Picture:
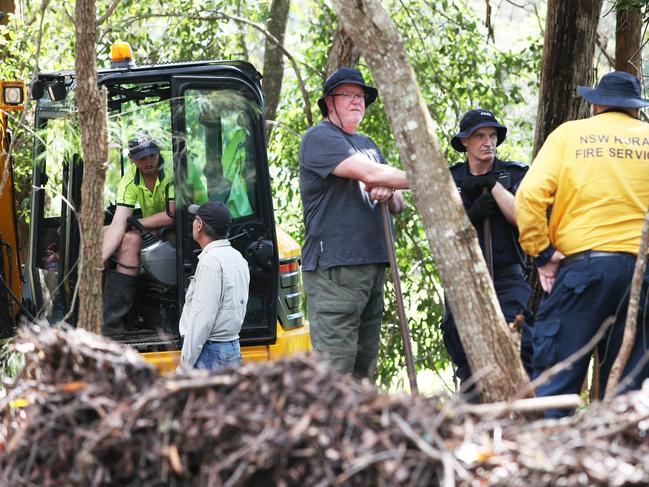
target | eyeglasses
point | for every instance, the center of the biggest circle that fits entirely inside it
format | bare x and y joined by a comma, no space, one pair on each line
349,97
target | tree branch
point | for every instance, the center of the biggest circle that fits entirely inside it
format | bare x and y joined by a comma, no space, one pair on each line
630,326
602,47
23,114
488,24
562,401
108,12
280,46
564,364
221,16
68,14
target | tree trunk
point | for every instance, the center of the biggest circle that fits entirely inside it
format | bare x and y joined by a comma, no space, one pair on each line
343,53
6,7
274,60
91,105
568,51
628,38
452,238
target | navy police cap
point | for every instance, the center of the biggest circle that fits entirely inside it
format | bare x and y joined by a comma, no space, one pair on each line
472,121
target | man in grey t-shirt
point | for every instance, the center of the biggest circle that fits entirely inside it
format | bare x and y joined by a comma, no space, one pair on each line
343,179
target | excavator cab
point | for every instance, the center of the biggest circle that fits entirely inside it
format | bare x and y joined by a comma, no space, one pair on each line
207,120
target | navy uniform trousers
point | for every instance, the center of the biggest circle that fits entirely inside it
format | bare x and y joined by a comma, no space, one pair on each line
513,293
589,288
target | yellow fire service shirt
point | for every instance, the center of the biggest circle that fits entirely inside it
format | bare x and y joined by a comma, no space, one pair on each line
595,174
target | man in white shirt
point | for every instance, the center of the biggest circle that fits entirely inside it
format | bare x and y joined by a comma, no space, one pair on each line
215,303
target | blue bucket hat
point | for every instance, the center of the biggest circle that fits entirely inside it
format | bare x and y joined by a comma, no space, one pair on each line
472,121
142,147
617,89
346,76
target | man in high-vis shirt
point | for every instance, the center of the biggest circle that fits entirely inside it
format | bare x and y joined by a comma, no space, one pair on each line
147,184
594,175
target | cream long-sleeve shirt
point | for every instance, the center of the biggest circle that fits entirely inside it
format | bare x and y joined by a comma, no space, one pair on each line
216,300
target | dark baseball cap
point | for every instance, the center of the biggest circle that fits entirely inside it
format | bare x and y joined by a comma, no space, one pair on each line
346,76
215,213
617,89
472,121
142,147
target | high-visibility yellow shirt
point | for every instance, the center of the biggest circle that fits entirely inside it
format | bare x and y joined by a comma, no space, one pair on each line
595,175
132,190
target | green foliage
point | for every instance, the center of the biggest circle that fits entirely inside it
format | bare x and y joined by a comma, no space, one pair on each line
43,41
25,43
641,5
629,4
11,362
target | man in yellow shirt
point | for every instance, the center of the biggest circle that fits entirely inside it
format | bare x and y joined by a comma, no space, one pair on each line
594,175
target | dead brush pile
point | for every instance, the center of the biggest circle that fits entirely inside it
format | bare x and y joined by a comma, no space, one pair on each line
87,411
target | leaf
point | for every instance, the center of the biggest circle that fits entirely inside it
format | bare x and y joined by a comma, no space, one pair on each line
19,403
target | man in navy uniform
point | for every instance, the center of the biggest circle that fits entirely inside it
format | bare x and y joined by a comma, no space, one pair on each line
487,186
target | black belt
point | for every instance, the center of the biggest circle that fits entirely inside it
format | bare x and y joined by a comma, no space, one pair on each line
507,271
593,254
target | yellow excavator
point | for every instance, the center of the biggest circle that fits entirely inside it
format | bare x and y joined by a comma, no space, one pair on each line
207,119
12,101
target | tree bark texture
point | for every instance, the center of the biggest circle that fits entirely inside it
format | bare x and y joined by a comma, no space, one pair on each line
91,105
628,38
343,52
452,238
274,59
568,52
7,7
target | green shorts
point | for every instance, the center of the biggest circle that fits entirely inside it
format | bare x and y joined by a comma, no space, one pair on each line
345,311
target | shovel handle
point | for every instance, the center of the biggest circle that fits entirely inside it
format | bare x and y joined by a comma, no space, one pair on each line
488,244
396,280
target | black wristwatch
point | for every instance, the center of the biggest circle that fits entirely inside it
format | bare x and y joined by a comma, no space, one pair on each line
544,257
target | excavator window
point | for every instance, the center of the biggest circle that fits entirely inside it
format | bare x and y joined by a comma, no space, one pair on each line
219,150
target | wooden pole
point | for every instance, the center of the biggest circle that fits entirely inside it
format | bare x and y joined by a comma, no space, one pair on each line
488,244
396,281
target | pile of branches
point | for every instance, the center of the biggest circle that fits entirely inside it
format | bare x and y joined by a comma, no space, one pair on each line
606,445
93,413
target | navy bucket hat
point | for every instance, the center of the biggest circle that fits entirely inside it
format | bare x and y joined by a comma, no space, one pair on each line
472,121
346,76
617,89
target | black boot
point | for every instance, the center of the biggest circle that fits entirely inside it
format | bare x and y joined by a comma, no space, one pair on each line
119,293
